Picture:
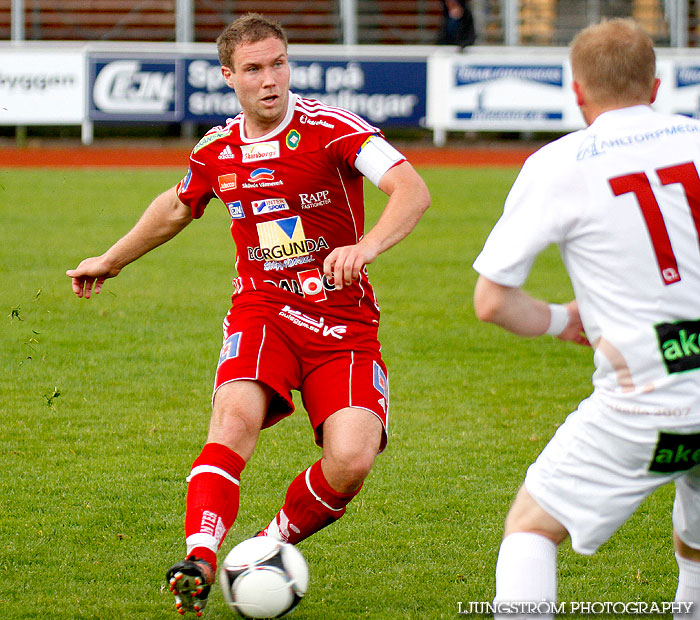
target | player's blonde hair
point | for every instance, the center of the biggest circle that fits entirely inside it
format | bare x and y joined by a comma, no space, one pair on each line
614,62
249,28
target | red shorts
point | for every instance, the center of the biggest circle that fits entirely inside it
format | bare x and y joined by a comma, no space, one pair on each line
333,365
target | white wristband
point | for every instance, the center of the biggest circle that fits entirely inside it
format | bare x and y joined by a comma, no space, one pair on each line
558,320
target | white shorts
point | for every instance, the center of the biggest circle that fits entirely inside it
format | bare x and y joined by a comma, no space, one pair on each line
594,473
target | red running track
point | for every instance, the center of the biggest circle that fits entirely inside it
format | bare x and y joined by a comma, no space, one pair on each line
92,157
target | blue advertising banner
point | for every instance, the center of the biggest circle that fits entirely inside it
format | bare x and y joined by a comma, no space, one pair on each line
135,88
386,92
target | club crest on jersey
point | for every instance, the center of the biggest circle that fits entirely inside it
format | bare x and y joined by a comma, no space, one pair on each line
293,139
260,150
269,205
227,182
235,209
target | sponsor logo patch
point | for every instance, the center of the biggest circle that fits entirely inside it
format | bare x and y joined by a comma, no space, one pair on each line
226,153
312,285
230,348
675,453
235,209
211,137
283,238
269,205
680,345
381,384
314,325
227,182
185,183
262,177
261,174
317,199
260,151
305,120
276,257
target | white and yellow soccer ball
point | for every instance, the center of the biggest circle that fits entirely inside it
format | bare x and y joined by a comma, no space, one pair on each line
263,578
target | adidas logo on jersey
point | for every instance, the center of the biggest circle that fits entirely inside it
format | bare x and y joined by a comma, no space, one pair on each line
226,153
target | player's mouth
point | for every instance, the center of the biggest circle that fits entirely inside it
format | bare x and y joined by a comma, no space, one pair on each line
270,100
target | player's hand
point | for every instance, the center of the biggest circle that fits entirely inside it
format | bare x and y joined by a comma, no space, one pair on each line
343,265
574,330
90,275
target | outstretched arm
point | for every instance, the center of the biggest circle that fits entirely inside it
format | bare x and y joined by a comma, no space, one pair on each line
408,200
514,310
164,218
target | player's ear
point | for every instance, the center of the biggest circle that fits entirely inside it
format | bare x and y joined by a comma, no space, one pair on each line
580,98
227,72
655,89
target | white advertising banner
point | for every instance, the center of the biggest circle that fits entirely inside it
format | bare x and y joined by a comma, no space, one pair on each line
501,92
42,87
530,89
680,87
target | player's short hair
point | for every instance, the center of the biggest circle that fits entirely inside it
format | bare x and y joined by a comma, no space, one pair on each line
249,28
614,62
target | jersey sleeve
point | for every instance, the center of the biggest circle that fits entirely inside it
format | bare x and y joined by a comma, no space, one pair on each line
195,189
533,218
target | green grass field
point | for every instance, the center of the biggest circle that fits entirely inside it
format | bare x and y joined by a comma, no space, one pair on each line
104,405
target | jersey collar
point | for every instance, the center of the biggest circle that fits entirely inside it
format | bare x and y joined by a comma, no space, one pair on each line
613,117
283,124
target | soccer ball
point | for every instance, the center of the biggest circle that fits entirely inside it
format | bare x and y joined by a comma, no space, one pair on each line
263,578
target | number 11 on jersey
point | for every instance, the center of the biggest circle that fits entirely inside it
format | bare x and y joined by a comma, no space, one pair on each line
638,183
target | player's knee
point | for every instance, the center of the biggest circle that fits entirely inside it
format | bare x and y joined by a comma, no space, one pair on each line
526,515
238,432
349,468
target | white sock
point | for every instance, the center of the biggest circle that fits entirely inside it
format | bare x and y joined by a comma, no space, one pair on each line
526,571
688,587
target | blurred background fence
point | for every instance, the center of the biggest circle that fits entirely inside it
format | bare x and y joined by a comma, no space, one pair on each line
674,23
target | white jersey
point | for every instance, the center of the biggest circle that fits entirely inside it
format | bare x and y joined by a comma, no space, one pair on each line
621,199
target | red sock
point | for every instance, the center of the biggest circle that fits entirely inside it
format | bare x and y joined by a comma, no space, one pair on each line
309,506
212,500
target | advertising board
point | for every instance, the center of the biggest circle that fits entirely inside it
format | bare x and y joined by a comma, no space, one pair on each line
41,87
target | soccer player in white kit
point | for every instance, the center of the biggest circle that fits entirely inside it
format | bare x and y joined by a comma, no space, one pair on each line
621,199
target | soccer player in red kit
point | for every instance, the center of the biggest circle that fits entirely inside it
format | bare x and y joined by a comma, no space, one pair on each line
304,316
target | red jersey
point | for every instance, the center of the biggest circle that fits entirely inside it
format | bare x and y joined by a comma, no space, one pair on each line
293,195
